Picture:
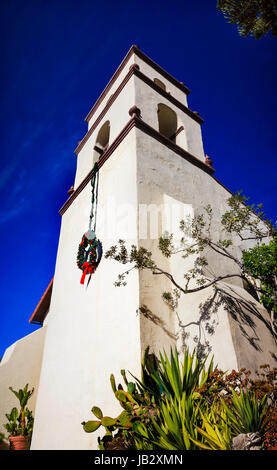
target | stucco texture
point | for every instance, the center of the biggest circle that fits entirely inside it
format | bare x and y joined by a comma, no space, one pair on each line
20,365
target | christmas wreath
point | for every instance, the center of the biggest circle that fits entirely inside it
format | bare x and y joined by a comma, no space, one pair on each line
89,254
90,249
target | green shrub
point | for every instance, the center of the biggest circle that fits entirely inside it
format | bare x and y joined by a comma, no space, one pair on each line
186,405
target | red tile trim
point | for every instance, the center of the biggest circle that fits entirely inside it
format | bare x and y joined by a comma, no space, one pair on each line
41,310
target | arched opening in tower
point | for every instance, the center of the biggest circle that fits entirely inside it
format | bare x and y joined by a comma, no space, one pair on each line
160,84
167,119
102,141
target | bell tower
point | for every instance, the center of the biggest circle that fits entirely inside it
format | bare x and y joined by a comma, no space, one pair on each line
152,171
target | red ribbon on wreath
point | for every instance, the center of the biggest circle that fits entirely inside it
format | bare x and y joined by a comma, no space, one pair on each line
88,269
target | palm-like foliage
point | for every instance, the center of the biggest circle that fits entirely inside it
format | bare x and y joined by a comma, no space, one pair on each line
179,406
173,378
167,410
175,424
247,413
215,431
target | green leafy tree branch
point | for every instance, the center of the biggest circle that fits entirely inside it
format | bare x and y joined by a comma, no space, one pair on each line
257,266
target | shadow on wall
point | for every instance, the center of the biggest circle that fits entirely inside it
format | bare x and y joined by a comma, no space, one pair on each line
252,320
4,445
249,322
147,313
250,327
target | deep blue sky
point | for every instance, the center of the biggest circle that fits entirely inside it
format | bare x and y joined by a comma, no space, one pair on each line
56,58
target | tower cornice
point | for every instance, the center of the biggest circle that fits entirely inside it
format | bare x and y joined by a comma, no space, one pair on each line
137,122
135,50
134,70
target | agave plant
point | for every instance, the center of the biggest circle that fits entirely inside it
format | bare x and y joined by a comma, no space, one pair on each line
175,424
215,430
178,416
177,379
247,413
162,409
172,378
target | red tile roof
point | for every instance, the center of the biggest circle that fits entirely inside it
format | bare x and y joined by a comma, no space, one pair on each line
43,306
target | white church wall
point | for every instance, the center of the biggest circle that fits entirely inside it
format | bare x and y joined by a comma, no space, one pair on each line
169,86
147,101
150,73
234,338
155,164
117,119
111,90
93,329
20,365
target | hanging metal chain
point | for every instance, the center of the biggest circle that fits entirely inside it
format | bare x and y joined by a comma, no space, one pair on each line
94,196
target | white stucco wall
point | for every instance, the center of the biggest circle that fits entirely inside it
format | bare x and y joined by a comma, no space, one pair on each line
118,117
20,365
111,90
147,101
152,74
237,329
93,330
